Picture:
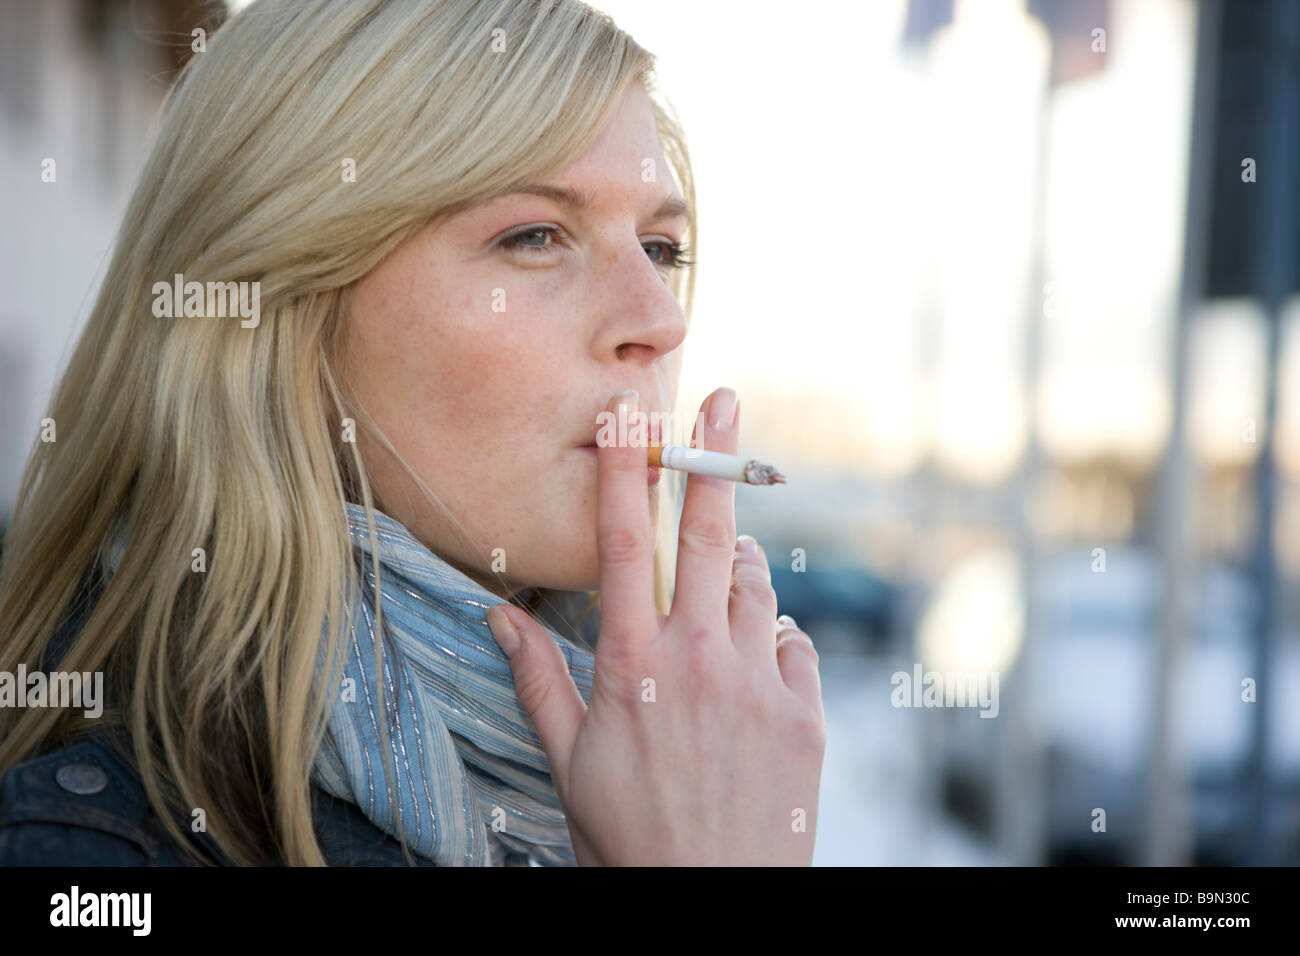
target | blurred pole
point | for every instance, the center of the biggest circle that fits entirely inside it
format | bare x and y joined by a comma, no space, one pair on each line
1169,830
1274,276
1022,776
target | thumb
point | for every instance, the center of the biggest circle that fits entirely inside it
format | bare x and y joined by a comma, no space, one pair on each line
543,684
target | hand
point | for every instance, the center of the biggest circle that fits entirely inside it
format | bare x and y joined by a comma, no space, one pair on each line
723,766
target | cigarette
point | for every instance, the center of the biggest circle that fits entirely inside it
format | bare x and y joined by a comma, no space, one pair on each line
697,461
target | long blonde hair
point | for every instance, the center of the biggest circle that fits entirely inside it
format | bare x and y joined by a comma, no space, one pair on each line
200,433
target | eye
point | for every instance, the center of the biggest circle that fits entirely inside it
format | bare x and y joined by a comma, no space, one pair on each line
676,253
671,254
517,241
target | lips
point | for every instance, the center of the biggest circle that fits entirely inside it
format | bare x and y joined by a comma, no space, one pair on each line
653,428
652,471
654,431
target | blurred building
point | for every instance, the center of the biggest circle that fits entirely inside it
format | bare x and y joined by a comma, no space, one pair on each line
81,83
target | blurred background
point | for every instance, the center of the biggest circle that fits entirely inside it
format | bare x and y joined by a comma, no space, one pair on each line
1010,291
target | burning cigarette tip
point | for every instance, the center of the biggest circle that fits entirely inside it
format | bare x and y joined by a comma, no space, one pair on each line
760,473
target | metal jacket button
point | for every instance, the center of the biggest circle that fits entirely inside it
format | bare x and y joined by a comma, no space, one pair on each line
81,778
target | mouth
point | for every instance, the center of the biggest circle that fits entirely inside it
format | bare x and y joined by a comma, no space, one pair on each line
652,471
654,431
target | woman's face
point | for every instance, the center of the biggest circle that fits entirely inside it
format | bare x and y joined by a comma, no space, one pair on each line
486,363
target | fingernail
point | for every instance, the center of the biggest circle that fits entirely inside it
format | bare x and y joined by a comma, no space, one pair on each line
503,630
625,402
785,620
722,411
746,543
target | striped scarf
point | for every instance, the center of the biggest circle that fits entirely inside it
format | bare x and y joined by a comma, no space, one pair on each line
473,782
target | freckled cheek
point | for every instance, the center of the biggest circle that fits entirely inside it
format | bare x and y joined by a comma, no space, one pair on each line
496,380
517,358
489,403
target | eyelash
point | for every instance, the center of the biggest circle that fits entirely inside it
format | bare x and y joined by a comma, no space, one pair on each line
678,251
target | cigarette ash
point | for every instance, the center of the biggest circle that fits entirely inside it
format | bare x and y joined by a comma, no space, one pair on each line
759,473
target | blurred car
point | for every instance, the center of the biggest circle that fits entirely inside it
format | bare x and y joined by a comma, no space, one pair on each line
842,606
1093,677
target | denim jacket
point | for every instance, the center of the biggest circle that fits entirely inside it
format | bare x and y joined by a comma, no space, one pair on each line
84,805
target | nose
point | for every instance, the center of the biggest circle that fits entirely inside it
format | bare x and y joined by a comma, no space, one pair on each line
642,319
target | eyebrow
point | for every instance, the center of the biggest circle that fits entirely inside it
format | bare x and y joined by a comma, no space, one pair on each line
671,208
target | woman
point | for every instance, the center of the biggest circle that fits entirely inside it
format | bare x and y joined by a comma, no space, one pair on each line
277,532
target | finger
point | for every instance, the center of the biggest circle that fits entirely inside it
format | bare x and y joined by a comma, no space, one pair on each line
707,533
543,684
625,541
798,660
752,611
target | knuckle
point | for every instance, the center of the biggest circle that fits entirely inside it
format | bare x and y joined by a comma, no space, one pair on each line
619,658
755,590
706,536
623,544
796,641
794,637
753,562
809,732
699,636
533,691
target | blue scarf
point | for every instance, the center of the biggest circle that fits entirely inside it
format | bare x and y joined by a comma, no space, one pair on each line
473,781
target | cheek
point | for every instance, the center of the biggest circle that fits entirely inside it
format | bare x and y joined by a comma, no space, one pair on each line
495,381
478,403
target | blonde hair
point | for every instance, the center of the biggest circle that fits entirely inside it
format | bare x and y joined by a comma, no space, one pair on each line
201,433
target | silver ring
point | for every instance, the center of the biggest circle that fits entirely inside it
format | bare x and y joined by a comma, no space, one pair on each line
785,623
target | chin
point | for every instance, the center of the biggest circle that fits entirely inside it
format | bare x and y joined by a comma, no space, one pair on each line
576,581
584,576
